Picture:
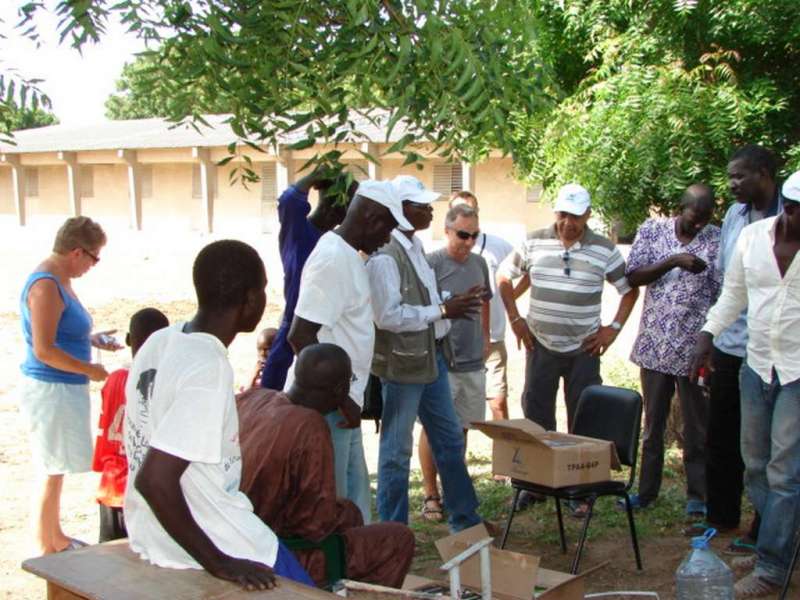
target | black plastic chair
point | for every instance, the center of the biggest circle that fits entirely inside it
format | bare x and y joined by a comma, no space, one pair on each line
788,579
606,413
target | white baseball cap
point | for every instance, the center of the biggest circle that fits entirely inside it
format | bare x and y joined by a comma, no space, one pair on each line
410,188
572,198
384,193
791,187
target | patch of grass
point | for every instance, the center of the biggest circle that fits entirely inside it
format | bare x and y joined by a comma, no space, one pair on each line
536,529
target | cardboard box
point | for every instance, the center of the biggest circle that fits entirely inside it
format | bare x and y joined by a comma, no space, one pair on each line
515,576
524,450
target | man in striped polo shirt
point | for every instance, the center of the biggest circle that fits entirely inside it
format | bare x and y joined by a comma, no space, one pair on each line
567,264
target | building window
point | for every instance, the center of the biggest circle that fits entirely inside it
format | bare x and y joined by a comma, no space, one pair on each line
447,179
86,175
146,180
197,188
533,193
31,182
269,182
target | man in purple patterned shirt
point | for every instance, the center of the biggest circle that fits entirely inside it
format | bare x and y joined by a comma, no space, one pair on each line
676,259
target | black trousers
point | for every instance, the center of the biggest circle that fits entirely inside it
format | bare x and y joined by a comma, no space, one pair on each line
724,466
112,523
543,371
658,389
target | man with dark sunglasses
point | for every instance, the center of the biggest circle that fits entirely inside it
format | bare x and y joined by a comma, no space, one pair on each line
458,271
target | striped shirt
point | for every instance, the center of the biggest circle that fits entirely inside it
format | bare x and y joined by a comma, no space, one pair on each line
566,285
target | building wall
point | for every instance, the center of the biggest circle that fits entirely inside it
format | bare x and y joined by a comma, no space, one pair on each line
6,192
506,208
109,199
53,198
171,203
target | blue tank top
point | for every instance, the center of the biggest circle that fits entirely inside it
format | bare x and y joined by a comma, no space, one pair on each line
73,335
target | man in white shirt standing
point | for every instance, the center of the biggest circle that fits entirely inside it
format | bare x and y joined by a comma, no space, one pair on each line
412,325
334,306
764,277
184,509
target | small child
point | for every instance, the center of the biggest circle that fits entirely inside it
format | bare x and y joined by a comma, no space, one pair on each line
109,450
264,342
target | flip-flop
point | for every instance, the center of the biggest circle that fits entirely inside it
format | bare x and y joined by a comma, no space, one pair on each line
739,547
434,514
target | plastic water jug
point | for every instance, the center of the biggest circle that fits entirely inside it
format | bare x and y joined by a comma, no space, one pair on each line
702,574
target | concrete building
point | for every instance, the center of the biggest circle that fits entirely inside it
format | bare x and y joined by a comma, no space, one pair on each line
150,175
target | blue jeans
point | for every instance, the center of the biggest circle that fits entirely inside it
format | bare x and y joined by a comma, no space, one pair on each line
402,402
771,453
352,477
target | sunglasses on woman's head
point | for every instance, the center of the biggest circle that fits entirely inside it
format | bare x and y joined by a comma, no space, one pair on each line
465,235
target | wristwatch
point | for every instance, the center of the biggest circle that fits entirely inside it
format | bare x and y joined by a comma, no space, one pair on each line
616,325
443,310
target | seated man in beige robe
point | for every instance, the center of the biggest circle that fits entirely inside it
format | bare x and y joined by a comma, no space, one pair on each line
288,472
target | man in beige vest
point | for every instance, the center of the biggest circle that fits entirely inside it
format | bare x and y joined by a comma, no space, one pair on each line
412,323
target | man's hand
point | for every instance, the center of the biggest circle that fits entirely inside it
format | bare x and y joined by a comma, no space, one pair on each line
523,333
597,343
688,262
466,305
351,413
701,356
249,574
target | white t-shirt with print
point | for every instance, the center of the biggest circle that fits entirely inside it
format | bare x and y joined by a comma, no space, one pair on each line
334,292
180,401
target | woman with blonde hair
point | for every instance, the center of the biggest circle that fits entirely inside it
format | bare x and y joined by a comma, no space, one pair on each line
57,369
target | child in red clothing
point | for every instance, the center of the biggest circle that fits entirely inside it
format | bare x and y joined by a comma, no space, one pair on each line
109,450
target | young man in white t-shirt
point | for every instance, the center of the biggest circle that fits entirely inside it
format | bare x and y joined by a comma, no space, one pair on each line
183,507
335,306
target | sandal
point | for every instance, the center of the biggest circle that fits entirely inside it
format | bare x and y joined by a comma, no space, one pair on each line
740,547
754,586
432,509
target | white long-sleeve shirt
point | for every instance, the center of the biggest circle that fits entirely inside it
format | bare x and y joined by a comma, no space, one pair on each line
390,313
754,281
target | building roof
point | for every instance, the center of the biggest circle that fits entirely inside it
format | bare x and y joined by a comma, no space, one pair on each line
160,133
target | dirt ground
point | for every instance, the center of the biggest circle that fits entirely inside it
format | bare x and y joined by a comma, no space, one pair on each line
154,269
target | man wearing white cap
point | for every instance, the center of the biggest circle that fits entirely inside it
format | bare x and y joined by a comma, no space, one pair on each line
412,324
763,277
334,307
567,264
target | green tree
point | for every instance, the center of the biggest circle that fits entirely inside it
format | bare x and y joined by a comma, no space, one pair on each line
15,118
651,96
141,93
449,72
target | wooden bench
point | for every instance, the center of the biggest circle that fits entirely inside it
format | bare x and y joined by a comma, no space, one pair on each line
112,572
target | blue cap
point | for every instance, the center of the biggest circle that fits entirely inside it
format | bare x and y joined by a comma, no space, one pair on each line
701,541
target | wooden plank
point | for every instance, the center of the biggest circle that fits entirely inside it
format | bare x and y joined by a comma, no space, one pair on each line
55,592
112,572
